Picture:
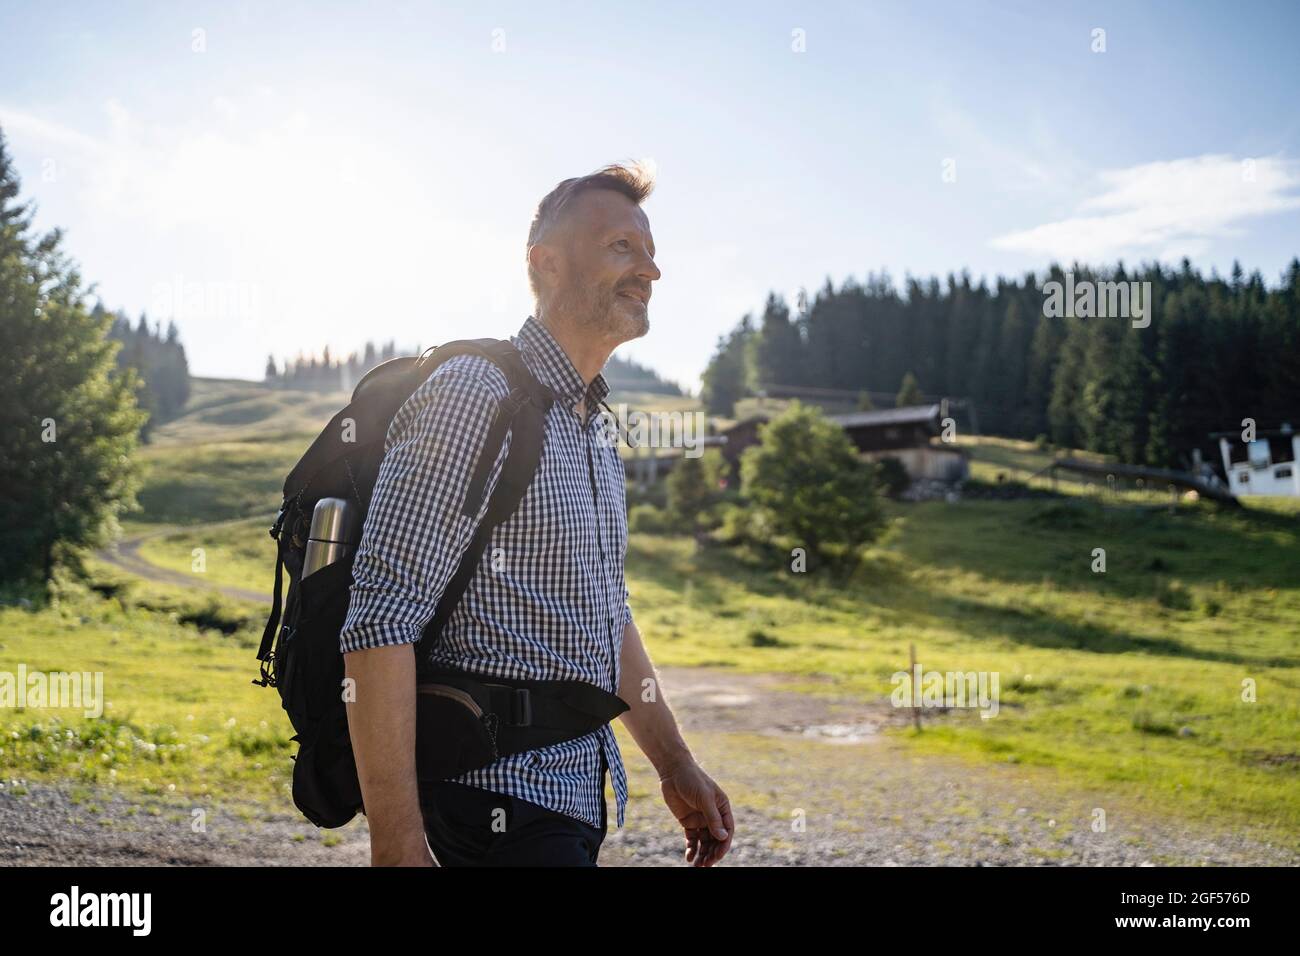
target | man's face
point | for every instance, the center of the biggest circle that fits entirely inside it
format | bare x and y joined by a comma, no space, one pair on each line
608,265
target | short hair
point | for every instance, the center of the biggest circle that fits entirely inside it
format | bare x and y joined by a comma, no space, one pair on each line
635,180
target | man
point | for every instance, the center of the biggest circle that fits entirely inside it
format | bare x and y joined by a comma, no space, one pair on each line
549,602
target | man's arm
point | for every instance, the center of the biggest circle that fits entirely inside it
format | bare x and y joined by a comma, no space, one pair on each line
414,535
382,725
650,722
699,804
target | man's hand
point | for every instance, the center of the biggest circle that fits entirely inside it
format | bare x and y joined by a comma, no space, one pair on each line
704,812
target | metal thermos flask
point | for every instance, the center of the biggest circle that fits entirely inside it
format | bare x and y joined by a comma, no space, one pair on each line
332,534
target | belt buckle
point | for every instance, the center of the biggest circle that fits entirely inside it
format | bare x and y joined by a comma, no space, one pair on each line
519,705
523,706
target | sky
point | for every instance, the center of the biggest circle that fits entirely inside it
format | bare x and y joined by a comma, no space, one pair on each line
278,177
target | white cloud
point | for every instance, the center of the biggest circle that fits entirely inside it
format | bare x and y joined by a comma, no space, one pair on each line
1165,209
18,123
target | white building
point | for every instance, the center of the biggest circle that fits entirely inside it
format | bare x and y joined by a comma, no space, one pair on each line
1269,465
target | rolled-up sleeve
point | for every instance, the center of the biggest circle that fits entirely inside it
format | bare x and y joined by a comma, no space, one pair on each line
415,531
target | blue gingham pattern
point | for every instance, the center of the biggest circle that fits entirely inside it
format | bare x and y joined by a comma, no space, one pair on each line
548,602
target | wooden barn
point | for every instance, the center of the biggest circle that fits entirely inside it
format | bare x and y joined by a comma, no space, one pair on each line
910,434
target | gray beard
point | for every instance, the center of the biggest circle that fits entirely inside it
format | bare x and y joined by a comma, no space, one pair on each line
596,311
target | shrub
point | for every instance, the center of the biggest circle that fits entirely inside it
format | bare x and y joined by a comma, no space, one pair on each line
647,519
735,524
756,637
892,476
694,488
1175,596
808,484
655,494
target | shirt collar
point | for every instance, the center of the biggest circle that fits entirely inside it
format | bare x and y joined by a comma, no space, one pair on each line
552,366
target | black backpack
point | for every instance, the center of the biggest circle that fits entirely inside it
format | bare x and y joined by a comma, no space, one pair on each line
464,720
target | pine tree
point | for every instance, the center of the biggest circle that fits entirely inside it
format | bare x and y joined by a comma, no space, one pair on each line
777,347
1006,364
725,378
1043,350
909,392
70,418
160,363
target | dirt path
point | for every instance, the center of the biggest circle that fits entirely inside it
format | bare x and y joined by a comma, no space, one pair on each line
812,782
126,556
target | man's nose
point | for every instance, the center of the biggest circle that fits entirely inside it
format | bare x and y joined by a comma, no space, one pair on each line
649,270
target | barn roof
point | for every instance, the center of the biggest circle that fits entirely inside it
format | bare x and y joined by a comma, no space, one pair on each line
907,415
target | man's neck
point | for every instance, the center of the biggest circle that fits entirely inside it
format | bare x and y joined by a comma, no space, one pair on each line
586,351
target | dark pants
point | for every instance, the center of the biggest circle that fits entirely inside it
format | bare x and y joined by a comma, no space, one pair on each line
468,826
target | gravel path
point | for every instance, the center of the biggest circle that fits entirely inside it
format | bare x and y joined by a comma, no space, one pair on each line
811,780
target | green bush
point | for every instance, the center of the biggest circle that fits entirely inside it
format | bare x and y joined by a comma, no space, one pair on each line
647,519
892,477
694,488
655,494
756,637
735,523
1175,596
808,485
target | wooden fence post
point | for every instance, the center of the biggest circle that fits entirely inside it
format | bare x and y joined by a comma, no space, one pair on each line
916,709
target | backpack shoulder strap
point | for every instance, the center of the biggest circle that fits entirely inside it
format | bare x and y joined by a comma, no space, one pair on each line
503,354
522,414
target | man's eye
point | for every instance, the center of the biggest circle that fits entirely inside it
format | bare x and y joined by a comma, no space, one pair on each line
622,242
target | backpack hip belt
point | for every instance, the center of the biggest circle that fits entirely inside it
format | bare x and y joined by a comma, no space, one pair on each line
481,719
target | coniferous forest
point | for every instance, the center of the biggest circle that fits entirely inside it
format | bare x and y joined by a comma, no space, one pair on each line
1216,351
159,359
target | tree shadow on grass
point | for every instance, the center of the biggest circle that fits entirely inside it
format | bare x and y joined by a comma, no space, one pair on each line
1025,542
1035,627
726,580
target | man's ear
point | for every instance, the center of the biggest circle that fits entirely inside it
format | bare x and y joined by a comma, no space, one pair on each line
546,261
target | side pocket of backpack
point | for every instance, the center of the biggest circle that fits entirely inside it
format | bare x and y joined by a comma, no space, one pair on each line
325,785
312,664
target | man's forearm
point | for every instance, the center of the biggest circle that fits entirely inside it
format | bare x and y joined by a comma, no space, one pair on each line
649,718
381,722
